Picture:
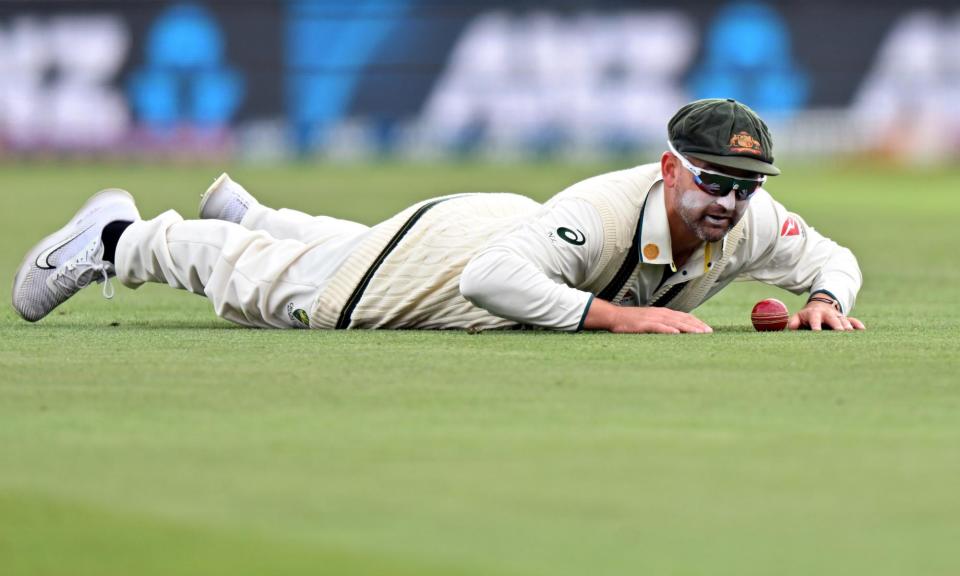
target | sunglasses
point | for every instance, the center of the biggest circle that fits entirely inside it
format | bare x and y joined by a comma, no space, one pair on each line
717,183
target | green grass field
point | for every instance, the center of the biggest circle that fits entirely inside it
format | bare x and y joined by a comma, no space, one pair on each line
145,436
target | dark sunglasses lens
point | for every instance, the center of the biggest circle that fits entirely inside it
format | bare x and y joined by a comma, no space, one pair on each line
711,186
746,189
721,185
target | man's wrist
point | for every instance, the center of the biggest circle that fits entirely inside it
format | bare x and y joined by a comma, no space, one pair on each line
825,297
600,315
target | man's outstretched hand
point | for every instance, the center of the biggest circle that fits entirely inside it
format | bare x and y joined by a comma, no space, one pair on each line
820,315
605,316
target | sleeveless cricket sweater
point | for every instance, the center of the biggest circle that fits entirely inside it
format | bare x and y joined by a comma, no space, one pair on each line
406,273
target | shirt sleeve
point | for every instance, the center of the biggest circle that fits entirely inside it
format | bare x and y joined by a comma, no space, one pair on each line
529,274
792,255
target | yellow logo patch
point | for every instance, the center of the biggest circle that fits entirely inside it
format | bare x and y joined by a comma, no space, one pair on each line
651,251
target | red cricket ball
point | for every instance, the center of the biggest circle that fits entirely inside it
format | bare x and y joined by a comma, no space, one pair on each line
770,315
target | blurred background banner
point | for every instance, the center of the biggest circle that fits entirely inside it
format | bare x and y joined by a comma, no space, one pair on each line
259,79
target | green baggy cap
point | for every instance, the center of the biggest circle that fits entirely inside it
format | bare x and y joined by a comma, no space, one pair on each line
723,132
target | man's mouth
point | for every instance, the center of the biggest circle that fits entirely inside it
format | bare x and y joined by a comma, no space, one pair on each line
717,220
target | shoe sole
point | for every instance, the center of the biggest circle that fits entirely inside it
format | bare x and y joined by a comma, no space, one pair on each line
57,237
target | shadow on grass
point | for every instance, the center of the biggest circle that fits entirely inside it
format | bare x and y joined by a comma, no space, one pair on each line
22,327
89,322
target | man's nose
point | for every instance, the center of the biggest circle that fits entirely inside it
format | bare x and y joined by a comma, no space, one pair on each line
728,201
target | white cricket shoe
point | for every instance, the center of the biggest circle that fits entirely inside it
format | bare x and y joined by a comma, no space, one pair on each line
225,200
71,258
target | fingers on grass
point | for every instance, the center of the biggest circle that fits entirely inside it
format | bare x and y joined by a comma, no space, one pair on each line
858,325
835,323
660,328
684,324
693,324
794,322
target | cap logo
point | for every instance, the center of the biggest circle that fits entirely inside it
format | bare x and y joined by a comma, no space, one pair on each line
744,142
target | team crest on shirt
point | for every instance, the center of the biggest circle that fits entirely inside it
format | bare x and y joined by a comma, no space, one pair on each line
744,142
791,227
298,315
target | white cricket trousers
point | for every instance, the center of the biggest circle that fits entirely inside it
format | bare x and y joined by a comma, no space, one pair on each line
265,272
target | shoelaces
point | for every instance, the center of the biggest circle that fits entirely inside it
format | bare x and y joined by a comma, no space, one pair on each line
79,271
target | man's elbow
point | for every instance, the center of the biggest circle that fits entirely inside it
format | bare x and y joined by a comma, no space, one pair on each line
474,281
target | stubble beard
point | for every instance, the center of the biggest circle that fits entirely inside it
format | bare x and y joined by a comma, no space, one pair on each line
693,210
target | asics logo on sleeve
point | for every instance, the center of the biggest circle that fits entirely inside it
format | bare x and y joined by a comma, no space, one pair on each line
574,237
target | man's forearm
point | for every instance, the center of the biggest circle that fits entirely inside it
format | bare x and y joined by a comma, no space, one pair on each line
603,315
840,279
511,287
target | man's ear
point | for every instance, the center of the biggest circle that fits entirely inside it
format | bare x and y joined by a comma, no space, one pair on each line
668,168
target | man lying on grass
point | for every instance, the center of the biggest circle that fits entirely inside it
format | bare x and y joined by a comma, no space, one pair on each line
629,251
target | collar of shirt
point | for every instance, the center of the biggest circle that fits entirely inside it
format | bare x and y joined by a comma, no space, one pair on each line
655,245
